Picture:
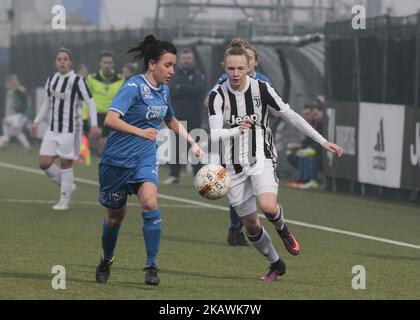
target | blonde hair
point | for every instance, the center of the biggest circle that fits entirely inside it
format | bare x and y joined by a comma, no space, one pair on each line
235,51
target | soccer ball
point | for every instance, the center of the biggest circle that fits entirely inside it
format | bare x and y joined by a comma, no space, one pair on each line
212,181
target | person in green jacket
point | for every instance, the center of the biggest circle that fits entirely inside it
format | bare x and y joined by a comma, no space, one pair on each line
104,85
17,110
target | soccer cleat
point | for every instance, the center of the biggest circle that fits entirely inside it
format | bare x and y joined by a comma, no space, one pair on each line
236,238
151,275
61,205
276,270
289,240
103,270
313,184
171,180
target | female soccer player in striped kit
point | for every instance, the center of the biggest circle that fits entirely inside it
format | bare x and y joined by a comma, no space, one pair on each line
235,235
64,92
239,113
129,163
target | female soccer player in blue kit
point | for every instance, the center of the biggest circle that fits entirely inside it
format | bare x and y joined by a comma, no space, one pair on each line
129,162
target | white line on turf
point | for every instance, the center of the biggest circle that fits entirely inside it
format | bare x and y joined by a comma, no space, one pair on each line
92,203
223,208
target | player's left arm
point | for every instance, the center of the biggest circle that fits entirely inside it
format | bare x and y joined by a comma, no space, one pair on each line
173,124
93,115
179,129
279,108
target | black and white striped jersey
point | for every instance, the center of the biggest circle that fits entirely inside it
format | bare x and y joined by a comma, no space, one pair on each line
64,97
258,101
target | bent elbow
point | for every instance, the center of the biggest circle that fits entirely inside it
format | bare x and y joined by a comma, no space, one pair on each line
108,121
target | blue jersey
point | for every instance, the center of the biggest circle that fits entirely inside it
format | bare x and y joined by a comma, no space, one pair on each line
144,106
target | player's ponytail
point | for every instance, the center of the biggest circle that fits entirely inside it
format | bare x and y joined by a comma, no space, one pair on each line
240,43
151,49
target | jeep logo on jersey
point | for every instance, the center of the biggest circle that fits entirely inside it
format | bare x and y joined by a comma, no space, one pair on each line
156,112
60,95
236,120
146,92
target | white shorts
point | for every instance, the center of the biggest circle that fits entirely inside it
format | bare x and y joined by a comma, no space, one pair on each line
64,145
16,121
245,188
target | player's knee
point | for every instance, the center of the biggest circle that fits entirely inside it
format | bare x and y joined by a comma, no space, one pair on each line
44,165
114,221
252,226
253,229
269,209
149,204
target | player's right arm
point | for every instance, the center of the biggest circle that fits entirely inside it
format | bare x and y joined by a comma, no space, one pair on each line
216,120
113,120
43,111
124,99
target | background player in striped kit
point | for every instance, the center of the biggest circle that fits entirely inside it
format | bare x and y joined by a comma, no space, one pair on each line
239,111
65,92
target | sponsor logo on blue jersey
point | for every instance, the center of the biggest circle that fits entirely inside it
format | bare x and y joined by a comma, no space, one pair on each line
156,112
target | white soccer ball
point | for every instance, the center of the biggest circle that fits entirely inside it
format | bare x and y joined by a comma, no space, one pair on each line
212,181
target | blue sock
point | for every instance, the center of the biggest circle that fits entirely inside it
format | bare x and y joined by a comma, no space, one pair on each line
235,221
313,169
152,229
109,240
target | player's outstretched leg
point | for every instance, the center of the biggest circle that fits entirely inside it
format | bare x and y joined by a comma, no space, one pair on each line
260,239
288,238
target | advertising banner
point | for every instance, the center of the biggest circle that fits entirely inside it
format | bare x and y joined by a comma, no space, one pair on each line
380,144
410,176
341,122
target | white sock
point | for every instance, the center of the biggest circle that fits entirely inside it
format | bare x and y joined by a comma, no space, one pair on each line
54,173
262,242
67,179
23,140
278,221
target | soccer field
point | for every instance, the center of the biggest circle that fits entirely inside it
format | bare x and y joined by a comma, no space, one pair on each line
195,260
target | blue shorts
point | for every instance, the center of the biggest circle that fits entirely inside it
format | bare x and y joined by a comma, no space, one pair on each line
116,183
